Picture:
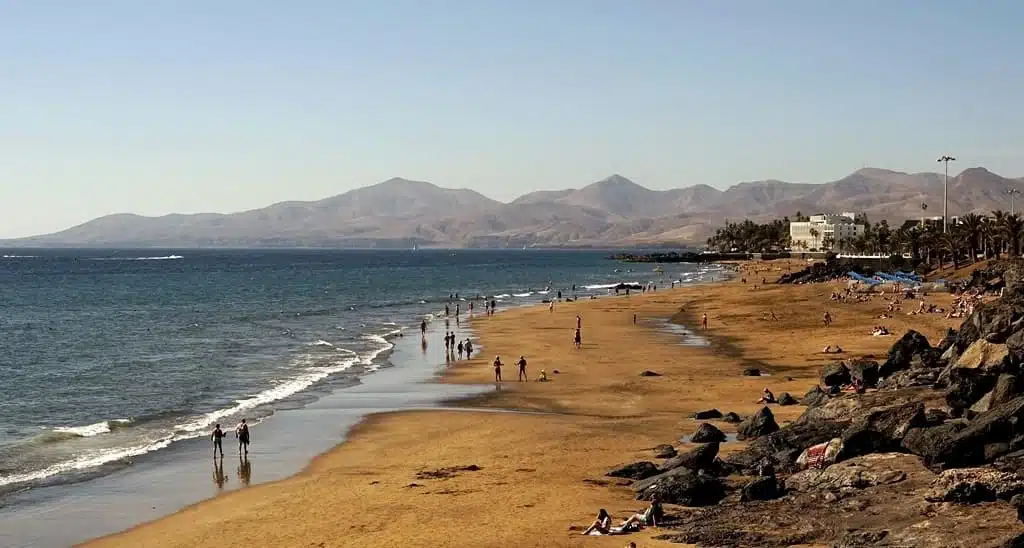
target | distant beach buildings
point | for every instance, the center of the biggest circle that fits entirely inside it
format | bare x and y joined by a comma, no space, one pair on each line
824,231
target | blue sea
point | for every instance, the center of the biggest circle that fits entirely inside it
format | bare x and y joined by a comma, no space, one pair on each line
108,356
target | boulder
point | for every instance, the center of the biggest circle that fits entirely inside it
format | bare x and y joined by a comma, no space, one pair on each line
664,451
994,322
859,473
698,458
835,374
910,378
935,417
967,386
985,355
764,488
708,414
1007,387
751,372
684,488
732,418
947,340
903,351
881,430
707,433
814,396
757,425
865,371
974,485
1018,502
968,446
635,471
781,449
930,443
787,399
848,407
649,373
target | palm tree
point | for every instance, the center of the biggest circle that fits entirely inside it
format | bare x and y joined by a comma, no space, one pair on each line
953,242
971,227
1011,231
814,234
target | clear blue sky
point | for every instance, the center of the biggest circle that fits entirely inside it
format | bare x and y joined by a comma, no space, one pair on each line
184,106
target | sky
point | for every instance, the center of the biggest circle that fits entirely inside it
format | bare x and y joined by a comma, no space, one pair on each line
194,106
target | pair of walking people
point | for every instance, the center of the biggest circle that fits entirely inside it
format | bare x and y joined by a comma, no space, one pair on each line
241,433
522,369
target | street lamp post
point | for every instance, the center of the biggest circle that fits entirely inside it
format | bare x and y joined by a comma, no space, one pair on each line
945,190
1012,192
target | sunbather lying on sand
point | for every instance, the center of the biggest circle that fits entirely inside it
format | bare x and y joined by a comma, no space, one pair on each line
602,525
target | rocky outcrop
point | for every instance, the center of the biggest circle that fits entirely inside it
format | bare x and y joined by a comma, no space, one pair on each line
664,451
707,433
930,443
759,424
865,371
732,418
787,399
781,449
974,485
881,429
635,471
764,488
707,415
859,473
685,488
698,458
912,344
814,396
835,374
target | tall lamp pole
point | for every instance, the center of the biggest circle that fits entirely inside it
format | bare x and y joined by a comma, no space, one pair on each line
1012,192
945,190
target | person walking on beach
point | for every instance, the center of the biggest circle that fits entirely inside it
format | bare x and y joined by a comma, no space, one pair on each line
494,306
460,350
551,306
522,369
579,321
458,310
704,321
826,319
423,328
218,440
242,433
469,348
470,308
497,369
577,339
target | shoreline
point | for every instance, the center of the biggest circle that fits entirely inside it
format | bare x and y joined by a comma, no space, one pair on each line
473,372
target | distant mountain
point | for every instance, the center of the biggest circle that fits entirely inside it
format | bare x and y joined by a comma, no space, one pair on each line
614,211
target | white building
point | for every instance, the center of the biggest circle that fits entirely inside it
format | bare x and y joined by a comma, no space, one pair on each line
824,229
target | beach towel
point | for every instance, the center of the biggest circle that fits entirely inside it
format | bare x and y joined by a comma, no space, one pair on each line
821,455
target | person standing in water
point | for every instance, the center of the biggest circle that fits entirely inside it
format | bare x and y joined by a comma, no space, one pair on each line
423,327
242,433
522,369
460,347
497,369
494,306
218,440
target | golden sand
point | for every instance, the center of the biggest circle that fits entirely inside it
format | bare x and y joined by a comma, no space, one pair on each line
543,472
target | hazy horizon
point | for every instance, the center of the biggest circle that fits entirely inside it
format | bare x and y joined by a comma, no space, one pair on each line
191,107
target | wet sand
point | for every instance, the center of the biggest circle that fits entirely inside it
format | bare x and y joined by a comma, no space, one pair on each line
465,478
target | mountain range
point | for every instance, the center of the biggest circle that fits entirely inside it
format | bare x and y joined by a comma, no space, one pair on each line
611,212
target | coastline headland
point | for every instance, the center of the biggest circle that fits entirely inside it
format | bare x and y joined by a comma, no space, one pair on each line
466,478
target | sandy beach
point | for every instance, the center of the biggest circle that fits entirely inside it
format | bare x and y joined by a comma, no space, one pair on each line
533,478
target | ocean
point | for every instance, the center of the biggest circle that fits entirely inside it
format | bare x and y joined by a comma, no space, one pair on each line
112,356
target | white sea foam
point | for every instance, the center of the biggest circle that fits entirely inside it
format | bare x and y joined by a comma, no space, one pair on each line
89,459
162,258
19,256
522,294
600,286
321,342
502,296
90,430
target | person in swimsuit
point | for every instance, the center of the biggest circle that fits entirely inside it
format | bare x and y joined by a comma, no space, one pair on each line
497,369
704,321
423,327
218,441
522,369
242,433
577,339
